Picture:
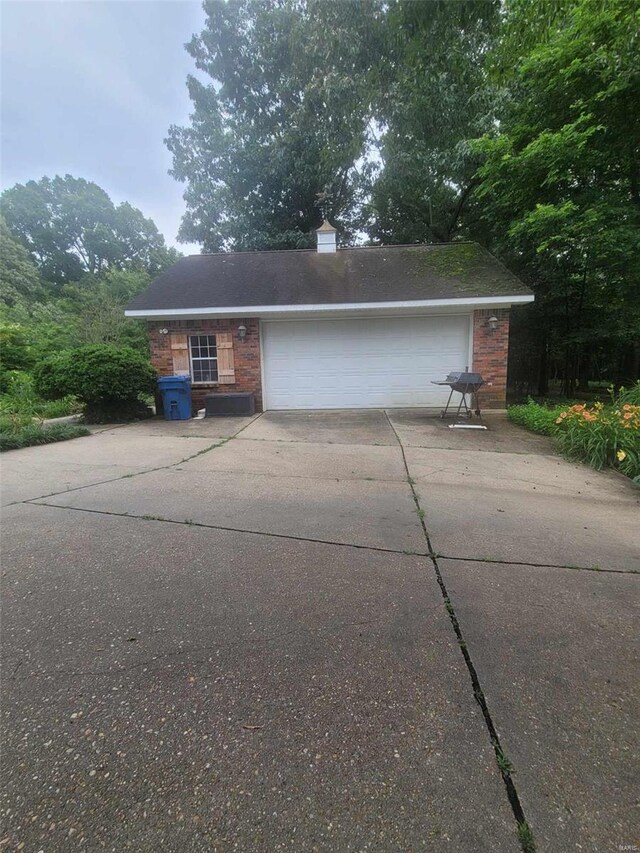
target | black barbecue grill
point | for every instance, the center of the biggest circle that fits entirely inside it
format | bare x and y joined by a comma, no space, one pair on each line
463,383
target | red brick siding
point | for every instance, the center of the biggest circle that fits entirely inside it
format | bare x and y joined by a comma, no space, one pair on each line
246,354
490,352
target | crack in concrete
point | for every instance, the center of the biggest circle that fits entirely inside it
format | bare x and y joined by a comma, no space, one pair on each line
440,556
329,443
187,650
219,443
288,536
505,768
90,485
272,476
480,450
536,484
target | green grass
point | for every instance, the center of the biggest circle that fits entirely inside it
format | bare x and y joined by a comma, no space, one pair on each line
525,837
32,434
19,400
504,764
59,408
16,415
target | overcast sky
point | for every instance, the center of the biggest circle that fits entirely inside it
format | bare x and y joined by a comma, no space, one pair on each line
90,88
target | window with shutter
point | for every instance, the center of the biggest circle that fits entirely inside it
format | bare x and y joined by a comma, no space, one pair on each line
204,358
207,359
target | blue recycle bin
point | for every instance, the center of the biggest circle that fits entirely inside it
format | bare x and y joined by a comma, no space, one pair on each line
176,397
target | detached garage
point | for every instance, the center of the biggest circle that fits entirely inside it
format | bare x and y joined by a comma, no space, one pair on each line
334,328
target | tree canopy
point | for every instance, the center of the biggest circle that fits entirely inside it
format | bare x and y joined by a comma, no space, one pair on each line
70,260
432,96
559,186
514,124
359,111
20,283
278,131
70,226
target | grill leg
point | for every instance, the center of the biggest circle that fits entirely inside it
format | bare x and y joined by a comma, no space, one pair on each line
443,413
463,402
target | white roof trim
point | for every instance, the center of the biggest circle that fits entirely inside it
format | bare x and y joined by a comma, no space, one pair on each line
259,310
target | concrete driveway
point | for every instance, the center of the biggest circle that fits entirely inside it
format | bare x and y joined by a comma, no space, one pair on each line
316,631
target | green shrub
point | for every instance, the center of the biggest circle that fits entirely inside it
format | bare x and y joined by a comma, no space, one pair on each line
600,435
537,418
119,411
48,376
37,434
108,380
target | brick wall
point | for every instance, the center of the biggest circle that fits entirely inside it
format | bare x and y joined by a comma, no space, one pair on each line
246,354
490,353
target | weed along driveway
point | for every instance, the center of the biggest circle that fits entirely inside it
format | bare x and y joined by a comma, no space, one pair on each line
317,631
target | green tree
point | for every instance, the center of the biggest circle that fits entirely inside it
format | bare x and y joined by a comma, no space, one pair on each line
20,283
358,110
560,188
432,96
70,227
277,133
95,309
15,347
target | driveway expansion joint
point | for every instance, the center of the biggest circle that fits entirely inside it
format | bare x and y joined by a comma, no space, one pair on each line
190,523
504,765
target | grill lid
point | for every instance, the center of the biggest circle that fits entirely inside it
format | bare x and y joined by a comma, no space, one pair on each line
467,378
457,378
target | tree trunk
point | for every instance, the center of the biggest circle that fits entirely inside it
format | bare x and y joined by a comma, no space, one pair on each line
584,369
543,371
570,370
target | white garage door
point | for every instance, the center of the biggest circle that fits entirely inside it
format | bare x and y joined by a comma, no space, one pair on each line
357,364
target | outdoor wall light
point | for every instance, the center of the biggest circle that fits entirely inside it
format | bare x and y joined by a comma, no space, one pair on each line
492,322
242,333
163,331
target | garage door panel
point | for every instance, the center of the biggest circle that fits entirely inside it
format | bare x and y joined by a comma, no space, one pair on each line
369,363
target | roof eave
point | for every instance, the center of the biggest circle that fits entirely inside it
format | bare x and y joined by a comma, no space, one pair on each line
353,309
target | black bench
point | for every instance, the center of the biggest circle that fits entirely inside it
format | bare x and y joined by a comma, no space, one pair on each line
241,404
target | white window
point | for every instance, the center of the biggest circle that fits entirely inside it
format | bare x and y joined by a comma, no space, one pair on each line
204,358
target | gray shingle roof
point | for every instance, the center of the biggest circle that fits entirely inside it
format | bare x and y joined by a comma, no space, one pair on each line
372,274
